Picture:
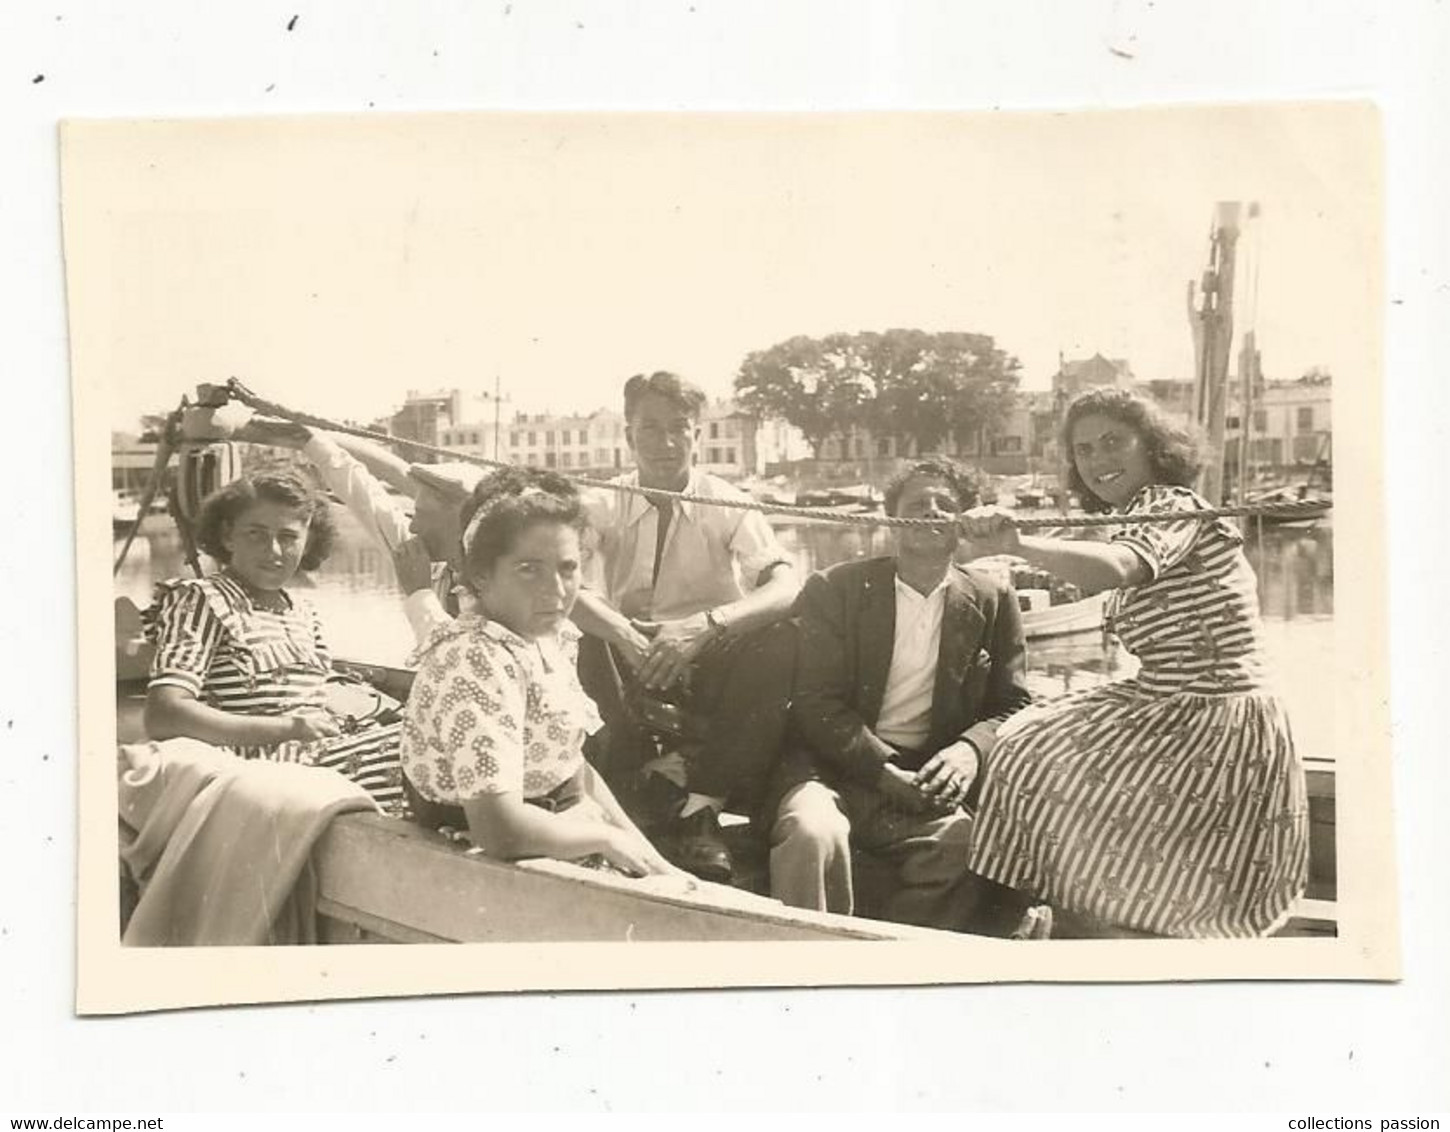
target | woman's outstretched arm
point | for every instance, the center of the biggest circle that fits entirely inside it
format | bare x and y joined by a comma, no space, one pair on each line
1091,566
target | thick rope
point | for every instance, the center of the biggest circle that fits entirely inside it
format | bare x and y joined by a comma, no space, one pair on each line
1290,509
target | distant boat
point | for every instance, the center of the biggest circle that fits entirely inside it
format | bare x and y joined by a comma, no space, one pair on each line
1050,607
1043,619
859,496
125,510
1311,505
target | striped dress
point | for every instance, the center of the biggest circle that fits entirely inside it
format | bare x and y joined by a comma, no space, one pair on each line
1172,802
214,642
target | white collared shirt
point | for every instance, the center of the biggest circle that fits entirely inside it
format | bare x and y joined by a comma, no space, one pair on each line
712,555
905,718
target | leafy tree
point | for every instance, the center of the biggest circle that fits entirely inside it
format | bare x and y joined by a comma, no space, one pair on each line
906,383
816,384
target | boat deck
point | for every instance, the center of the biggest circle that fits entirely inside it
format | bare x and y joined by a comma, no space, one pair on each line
369,871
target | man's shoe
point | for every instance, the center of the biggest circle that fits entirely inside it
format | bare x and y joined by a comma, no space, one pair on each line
655,803
697,845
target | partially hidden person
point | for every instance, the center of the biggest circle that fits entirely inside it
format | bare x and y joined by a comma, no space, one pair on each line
1171,803
687,603
417,526
241,660
908,664
495,724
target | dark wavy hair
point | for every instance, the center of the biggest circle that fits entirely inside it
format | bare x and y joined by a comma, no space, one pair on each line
1173,450
686,395
220,510
965,483
511,500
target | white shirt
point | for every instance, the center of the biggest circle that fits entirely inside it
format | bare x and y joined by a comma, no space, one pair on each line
905,718
385,518
712,555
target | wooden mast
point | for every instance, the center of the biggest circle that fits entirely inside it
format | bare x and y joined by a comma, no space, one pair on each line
1211,316
1249,380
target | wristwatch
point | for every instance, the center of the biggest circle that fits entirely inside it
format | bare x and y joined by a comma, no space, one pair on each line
715,621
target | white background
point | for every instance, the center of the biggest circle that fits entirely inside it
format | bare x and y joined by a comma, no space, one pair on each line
1308,1049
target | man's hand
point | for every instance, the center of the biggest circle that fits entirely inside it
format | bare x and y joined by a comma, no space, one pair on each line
672,648
990,530
632,647
412,565
900,788
221,423
949,774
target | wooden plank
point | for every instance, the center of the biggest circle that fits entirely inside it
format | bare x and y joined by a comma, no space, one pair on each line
343,924
1311,917
398,880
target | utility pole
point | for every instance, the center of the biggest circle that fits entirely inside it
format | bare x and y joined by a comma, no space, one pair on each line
498,398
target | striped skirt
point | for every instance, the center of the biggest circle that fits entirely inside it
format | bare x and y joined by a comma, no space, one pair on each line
368,757
1178,815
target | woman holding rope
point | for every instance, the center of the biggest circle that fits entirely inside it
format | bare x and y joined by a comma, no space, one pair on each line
1171,803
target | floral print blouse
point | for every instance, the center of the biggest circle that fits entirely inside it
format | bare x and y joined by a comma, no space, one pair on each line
494,713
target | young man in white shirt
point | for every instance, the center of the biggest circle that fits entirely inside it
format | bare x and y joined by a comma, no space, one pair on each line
906,666
688,602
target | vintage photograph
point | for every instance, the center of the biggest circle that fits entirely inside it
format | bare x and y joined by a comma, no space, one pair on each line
783,531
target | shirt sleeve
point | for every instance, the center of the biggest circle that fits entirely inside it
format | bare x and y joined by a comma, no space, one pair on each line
755,547
187,636
384,517
473,724
1162,546
425,612
600,511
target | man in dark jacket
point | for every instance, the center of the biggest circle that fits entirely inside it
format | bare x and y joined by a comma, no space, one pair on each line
906,666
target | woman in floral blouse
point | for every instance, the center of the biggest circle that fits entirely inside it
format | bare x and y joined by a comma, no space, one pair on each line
496,720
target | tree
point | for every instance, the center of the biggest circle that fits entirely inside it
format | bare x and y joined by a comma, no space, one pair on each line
815,384
899,382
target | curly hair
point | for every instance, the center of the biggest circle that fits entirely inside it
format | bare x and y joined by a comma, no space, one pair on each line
505,503
1173,450
965,483
685,395
282,485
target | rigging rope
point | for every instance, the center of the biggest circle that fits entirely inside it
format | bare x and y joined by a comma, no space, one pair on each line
158,472
1286,509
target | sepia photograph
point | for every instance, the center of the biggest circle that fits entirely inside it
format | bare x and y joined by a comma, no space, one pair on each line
675,550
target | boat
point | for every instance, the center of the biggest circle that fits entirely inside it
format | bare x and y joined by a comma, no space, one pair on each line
859,497
1041,619
385,880
1311,505
125,510
1050,607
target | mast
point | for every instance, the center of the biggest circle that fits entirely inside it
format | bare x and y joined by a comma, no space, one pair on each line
1249,370
1211,316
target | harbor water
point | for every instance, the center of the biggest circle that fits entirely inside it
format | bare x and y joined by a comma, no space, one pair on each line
356,595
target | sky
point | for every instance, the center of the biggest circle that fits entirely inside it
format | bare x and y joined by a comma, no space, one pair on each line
334,263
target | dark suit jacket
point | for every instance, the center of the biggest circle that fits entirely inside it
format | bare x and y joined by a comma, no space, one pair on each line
847,617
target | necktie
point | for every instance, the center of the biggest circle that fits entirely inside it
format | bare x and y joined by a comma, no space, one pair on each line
664,511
